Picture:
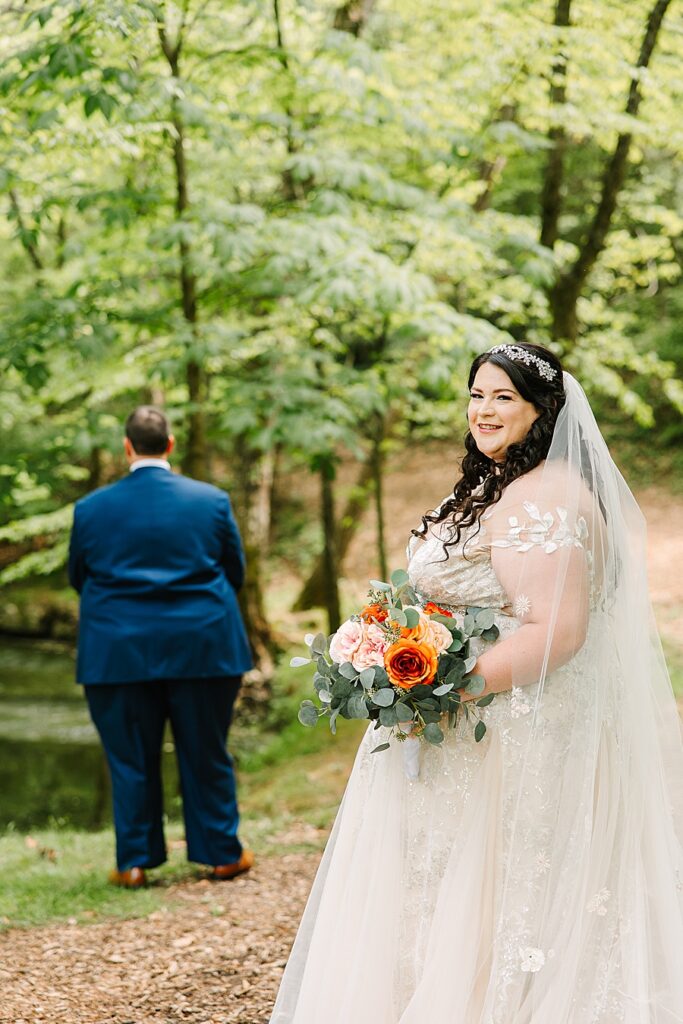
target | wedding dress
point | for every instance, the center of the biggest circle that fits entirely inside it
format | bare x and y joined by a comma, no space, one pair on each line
534,877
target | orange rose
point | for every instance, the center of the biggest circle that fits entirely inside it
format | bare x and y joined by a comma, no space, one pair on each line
409,663
374,612
435,609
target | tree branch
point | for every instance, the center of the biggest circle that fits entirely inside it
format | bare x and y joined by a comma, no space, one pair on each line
615,171
24,233
565,293
551,196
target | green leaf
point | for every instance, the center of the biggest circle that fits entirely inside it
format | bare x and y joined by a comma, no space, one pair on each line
412,617
399,577
378,585
325,696
479,732
484,702
383,698
319,644
356,706
485,619
348,671
367,677
475,685
398,616
388,717
404,713
443,689
298,662
382,746
308,714
433,734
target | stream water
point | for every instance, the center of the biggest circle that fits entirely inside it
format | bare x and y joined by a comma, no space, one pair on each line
52,769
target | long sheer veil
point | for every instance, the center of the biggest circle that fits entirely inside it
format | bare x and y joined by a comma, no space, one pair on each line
599,790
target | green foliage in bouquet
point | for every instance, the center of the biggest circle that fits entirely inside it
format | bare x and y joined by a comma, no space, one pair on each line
416,690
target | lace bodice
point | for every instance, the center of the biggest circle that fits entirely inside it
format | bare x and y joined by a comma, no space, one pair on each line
465,578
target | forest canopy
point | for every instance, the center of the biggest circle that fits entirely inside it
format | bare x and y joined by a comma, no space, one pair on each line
294,223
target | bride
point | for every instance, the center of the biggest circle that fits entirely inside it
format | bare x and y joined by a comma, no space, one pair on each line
535,877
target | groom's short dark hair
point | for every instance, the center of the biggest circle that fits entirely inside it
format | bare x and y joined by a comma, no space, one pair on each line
148,430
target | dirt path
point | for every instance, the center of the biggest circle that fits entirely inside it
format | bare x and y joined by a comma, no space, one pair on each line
213,954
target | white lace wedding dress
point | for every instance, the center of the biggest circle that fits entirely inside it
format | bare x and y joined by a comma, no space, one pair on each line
532,878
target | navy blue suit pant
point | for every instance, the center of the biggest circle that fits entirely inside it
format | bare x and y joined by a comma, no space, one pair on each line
130,718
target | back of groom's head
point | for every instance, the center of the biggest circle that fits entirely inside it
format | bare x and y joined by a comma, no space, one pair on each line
148,430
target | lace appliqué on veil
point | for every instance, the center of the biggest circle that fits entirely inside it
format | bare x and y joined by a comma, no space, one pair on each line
544,530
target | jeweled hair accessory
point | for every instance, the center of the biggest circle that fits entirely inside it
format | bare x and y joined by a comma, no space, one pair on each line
520,355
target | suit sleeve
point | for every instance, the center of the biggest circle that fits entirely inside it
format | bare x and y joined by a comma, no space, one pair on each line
232,553
76,564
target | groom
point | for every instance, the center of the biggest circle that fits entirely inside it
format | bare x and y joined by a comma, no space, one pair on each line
157,560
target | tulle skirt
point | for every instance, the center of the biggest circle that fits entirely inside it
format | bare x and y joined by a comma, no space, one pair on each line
504,885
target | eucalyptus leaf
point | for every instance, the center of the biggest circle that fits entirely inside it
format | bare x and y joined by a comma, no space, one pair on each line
348,671
383,698
379,585
485,618
412,617
367,677
433,733
356,706
476,685
298,662
403,712
484,702
443,689
325,696
308,715
398,616
469,664
387,716
382,746
479,731
399,577
381,677
319,645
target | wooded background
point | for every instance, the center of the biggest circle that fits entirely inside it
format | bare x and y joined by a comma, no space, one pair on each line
293,224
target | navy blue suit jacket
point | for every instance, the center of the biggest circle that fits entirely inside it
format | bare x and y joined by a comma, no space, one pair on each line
157,560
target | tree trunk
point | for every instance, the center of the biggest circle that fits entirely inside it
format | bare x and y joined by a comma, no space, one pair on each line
252,509
377,459
551,196
195,463
565,293
312,594
330,558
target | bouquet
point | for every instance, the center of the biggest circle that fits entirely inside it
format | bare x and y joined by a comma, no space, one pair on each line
399,663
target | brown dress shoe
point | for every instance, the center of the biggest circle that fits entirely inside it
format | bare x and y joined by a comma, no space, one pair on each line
222,872
133,878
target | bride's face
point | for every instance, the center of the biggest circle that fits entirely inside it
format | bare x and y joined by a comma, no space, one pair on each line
498,415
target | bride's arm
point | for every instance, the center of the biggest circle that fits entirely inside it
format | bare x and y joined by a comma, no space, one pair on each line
549,592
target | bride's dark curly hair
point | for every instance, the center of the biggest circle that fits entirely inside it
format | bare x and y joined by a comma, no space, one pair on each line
483,481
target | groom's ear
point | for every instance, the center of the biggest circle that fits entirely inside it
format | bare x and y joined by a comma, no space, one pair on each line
128,448
171,444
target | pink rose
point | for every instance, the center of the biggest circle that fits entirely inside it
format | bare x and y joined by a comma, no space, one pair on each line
439,636
371,649
346,641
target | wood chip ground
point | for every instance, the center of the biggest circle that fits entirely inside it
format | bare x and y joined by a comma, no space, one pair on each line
213,954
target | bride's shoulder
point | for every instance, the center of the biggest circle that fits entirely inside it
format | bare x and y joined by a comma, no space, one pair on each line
548,486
